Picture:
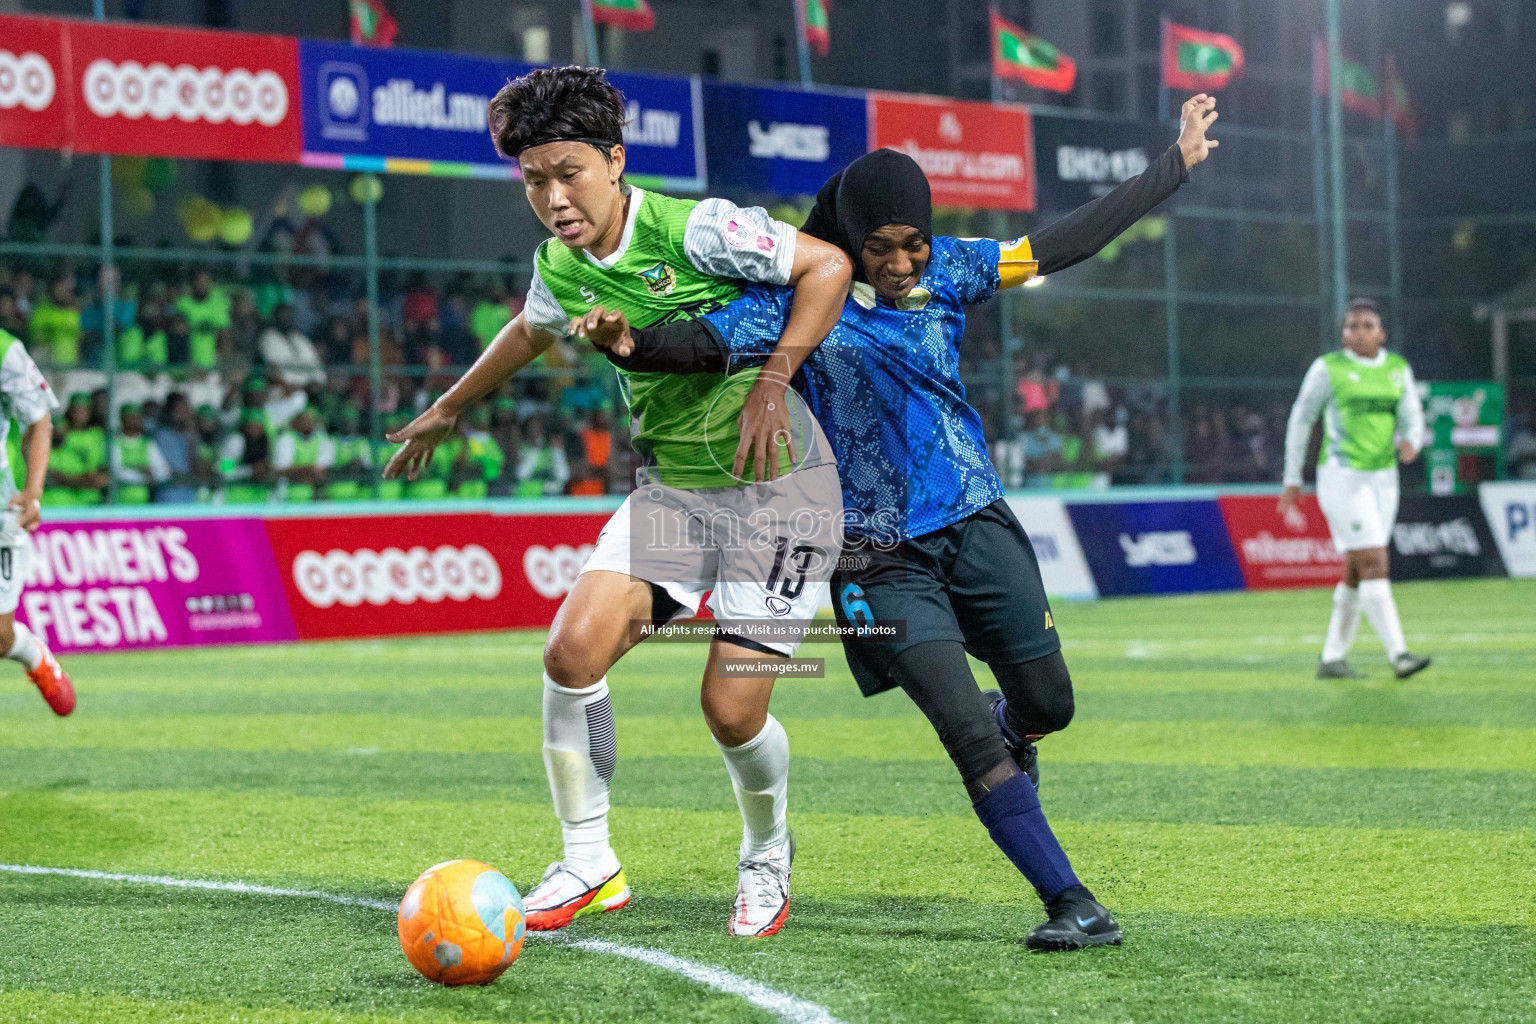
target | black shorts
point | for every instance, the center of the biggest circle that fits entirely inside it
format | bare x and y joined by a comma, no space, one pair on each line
975,581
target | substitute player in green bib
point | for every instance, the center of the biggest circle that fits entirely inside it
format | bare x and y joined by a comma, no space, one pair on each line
1372,418
737,494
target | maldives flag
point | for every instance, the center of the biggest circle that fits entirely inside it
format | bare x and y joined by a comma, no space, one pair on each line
1399,103
1020,56
1201,61
371,23
1358,88
818,30
634,15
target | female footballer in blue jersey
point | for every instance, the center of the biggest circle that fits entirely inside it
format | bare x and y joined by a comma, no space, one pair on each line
931,545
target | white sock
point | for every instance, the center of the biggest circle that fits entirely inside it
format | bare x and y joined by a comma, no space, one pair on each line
579,750
760,775
27,649
1343,624
1376,599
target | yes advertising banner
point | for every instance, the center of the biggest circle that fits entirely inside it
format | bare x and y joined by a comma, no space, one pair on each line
783,141
1078,160
1510,509
1063,568
99,585
974,154
1275,551
1156,547
415,111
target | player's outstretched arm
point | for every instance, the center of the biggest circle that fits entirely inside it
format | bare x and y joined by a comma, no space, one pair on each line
694,345
513,348
820,277
1083,232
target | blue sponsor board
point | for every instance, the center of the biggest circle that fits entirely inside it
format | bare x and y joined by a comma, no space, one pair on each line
664,139
1156,547
423,112
784,141
399,104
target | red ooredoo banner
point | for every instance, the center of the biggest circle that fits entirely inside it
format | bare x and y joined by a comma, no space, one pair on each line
974,154
390,575
106,88
1278,551
34,93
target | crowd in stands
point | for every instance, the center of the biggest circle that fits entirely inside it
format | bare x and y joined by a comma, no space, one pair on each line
260,390
1069,429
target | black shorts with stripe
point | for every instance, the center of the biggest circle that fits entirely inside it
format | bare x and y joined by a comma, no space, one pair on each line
976,581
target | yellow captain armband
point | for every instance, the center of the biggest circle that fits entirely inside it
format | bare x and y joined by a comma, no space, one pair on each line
1016,262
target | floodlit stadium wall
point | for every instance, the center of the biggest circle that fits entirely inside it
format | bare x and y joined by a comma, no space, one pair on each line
183,576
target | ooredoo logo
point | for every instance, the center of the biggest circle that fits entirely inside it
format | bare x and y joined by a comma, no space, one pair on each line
552,572
25,81
162,92
349,578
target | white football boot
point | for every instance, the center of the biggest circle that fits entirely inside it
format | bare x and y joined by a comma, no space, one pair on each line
563,896
762,891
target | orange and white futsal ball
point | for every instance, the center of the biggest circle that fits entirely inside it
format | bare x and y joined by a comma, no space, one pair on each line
461,923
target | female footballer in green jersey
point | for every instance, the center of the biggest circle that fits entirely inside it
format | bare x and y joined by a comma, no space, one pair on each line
716,449
1372,419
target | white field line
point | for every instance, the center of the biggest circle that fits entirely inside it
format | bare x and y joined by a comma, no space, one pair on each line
782,1005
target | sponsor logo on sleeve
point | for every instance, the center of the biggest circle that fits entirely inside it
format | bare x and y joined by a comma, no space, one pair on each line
739,233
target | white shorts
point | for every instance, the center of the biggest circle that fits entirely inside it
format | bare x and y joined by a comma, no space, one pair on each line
1359,504
15,560
763,553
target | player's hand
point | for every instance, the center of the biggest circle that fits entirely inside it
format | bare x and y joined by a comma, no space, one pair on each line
766,429
418,439
1288,499
1198,115
607,330
29,509
1406,452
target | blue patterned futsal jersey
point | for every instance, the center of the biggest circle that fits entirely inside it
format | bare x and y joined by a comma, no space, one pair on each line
885,386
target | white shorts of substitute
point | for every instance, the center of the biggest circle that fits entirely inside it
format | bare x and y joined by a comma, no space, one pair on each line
15,559
763,553
1359,504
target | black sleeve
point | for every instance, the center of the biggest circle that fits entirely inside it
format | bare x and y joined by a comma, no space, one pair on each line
684,346
1092,226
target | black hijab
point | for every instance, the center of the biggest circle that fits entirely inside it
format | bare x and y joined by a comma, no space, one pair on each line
879,188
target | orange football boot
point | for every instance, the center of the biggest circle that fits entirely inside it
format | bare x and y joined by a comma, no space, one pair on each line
53,683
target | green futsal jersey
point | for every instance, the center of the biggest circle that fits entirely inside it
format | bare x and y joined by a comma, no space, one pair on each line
1366,404
677,257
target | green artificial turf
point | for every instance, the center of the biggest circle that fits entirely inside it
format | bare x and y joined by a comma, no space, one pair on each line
1278,849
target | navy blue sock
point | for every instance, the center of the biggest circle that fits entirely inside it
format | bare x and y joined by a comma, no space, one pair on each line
1010,735
1013,817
